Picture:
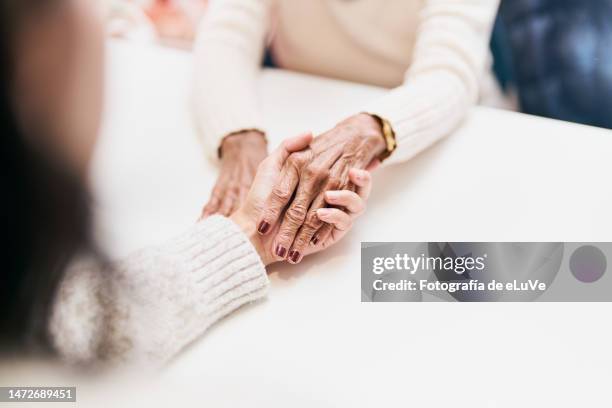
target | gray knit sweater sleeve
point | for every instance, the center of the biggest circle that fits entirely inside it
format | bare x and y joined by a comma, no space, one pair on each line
149,306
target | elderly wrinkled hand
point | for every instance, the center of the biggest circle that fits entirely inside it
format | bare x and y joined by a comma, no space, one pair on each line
292,211
268,175
241,153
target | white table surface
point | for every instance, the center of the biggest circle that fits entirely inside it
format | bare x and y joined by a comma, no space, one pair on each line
503,177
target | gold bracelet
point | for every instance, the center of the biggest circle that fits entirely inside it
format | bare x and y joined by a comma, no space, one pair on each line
388,135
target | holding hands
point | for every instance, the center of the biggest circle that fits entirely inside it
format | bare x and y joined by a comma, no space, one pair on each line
304,196
324,174
269,175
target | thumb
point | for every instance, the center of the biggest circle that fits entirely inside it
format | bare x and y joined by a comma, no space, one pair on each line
270,169
290,145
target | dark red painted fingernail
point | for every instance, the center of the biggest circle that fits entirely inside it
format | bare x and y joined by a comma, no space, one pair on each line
263,227
280,251
315,240
294,256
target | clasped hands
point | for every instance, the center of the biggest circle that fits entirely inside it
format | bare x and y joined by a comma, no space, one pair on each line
305,195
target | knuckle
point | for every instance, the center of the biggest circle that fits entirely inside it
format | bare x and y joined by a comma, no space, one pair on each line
300,242
312,222
232,193
285,238
280,193
334,182
316,173
218,191
227,204
286,234
310,171
349,156
292,161
341,176
297,160
296,214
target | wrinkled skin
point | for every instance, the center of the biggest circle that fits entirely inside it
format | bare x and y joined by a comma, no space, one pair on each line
241,153
353,203
290,210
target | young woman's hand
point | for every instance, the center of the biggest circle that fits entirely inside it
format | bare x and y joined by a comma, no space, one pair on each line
241,153
347,205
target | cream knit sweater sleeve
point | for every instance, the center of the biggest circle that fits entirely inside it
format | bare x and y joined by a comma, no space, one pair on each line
229,50
148,307
442,82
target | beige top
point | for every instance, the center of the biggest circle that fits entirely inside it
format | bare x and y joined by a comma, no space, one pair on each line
364,41
432,53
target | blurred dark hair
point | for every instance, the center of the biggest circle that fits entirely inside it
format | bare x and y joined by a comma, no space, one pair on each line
44,210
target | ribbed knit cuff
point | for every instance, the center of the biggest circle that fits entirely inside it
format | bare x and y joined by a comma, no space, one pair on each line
422,112
223,266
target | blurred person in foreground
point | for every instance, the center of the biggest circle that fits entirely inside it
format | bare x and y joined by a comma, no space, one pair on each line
432,55
58,294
